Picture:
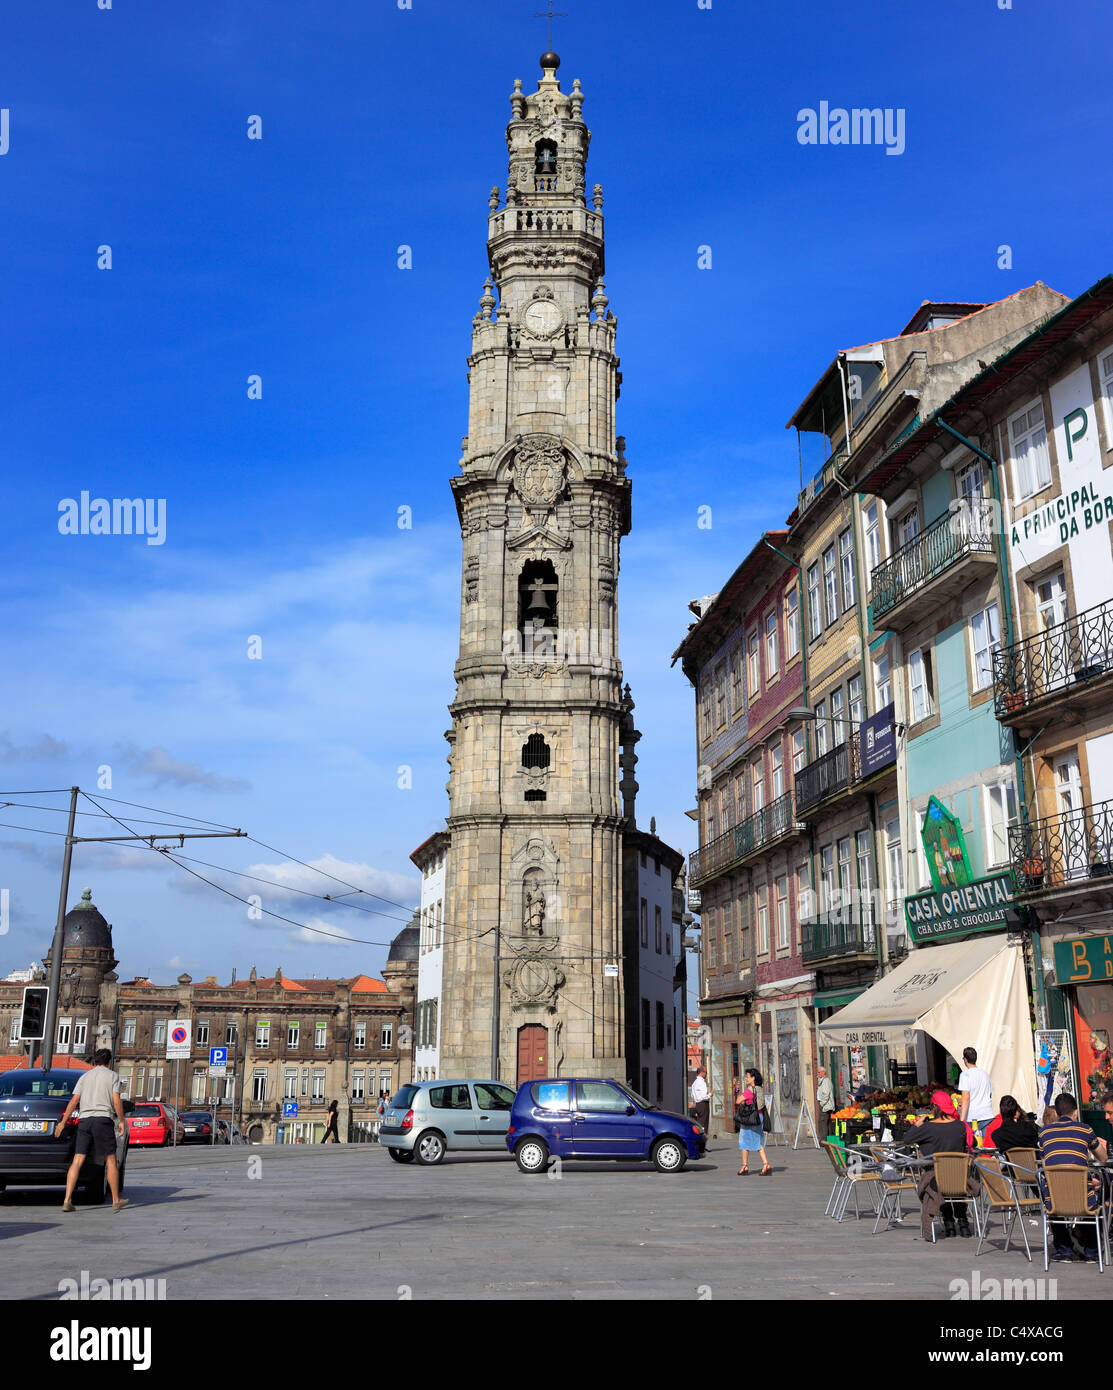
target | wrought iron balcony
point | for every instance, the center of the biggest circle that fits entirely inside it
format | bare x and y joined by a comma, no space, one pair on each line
922,566
1070,662
840,933
825,776
1064,850
743,840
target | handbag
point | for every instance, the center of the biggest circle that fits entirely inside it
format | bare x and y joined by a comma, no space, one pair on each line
766,1122
747,1113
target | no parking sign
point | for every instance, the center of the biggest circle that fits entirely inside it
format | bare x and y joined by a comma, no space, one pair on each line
177,1038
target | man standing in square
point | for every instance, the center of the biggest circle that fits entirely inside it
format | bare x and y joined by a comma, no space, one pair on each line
97,1097
701,1099
976,1101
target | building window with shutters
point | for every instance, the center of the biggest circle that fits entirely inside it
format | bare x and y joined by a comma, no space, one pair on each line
386,1037
258,1085
645,1025
158,1033
127,1037
660,1025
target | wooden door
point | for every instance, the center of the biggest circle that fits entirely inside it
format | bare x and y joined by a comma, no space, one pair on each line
533,1052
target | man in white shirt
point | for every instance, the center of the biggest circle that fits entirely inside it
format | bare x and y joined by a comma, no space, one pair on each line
976,1101
825,1101
96,1097
701,1098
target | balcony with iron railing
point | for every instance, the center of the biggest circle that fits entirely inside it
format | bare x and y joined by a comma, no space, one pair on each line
1067,850
1068,665
842,933
935,564
832,772
742,841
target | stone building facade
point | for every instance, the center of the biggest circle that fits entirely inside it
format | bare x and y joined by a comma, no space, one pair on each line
307,1040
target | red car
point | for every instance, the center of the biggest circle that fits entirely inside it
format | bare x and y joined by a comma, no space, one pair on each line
152,1122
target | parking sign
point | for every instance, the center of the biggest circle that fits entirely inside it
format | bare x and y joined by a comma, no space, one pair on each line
289,1108
177,1038
218,1061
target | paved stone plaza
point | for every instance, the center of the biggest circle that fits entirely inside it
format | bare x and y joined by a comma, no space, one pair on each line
344,1222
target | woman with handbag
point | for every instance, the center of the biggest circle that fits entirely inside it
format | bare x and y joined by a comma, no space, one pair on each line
748,1116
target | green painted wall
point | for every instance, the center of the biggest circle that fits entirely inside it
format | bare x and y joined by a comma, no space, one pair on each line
966,742
937,496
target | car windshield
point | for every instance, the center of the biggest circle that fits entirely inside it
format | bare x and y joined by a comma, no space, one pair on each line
147,1110
638,1100
37,1083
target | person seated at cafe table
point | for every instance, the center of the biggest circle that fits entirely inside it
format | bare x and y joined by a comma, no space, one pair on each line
942,1132
1068,1141
1011,1128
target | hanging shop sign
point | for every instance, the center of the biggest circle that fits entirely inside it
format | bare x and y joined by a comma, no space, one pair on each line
877,738
1084,960
950,912
945,847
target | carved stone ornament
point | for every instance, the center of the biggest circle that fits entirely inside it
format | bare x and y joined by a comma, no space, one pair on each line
534,980
539,470
545,256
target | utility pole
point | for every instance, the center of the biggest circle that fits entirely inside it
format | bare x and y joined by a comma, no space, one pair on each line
51,1025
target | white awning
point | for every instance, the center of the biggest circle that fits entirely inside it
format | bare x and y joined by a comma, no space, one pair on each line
971,993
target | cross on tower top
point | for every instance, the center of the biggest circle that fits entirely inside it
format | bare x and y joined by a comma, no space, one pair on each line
550,14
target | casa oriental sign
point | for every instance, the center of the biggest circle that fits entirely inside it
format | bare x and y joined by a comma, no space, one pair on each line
950,912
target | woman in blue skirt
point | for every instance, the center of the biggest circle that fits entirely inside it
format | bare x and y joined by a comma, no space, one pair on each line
748,1115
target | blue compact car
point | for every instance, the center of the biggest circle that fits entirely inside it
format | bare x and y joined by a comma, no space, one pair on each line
592,1119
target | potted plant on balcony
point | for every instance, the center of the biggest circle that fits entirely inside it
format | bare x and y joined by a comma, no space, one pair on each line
1029,861
1011,683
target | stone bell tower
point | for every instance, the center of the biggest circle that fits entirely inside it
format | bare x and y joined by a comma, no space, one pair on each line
533,968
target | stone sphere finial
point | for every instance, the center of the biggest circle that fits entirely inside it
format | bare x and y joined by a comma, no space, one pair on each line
549,62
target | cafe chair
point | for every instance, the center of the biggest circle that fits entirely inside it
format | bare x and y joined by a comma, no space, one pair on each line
1023,1167
1001,1194
837,1154
857,1173
1068,1187
952,1172
894,1185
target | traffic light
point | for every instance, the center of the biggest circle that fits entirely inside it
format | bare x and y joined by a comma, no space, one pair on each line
32,1023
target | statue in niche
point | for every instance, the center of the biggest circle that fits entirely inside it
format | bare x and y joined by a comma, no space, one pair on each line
533,904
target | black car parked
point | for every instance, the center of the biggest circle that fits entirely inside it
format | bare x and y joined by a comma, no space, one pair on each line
31,1104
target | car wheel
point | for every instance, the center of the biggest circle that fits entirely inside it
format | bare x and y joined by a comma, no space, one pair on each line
430,1148
668,1155
401,1155
532,1155
93,1189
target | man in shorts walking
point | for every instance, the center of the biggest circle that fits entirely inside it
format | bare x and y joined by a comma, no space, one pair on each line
97,1097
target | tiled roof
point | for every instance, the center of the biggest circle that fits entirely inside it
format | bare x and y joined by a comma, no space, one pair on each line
18,1062
366,984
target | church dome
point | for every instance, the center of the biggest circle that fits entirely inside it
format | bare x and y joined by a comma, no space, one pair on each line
84,926
406,946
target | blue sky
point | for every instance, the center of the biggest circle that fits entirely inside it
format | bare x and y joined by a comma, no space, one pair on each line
278,257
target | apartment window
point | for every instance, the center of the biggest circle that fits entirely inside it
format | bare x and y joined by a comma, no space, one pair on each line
63,1042
231,1034
293,1034
846,568
711,939
657,931
386,1037
741,806
872,536
645,1025
1051,600
290,1084
1000,815
815,616
359,1040
660,1027
782,913
908,527
645,922
736,701
830,587
709,817
772,661
753,659
1105,371
894,861
920,683
197,1090
776,772
258,1085
792,623
757,781
838,724
262,1033
985,629
882,680
970,484
922,868
358,1086
827,878
201,1037
804,905
80,1034
726,805
13,1036
721,693
821,730
742,913
865,866
705,707
318,1086
305,1081
798,754
660,1084
1028,445
158,1032
763,920
127,1037
320,1035
857,708
728,932
846,872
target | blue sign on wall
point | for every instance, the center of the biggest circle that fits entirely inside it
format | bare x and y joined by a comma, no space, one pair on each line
878,740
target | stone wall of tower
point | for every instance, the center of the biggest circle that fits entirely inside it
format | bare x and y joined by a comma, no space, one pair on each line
541,483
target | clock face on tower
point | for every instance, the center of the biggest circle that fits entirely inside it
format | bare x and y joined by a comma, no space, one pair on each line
542,318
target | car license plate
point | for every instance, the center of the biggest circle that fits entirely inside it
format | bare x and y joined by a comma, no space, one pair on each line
141,1124
191,1129
25,1126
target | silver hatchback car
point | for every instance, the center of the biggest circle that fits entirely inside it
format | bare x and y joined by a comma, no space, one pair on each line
424,1120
